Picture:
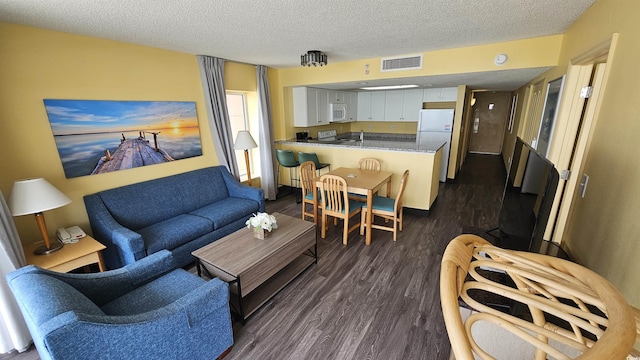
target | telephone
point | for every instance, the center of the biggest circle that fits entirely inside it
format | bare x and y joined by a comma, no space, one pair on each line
70,235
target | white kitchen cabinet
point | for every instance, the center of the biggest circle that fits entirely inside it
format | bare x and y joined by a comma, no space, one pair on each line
323,106
371,105
377,105
403,105
440,94
336,96
352,105
364,106
309,107
393,105
411,104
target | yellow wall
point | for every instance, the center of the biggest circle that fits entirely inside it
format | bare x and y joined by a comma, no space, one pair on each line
39,64
604,228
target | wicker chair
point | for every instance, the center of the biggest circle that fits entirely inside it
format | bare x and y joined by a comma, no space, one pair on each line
598,322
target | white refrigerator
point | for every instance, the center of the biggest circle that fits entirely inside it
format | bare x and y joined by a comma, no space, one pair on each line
434,128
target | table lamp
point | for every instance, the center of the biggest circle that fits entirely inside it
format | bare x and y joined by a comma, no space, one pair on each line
244,141
34,196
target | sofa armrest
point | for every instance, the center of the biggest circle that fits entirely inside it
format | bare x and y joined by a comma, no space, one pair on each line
123,244
198,324
237,189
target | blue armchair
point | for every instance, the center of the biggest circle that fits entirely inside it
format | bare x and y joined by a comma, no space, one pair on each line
145,310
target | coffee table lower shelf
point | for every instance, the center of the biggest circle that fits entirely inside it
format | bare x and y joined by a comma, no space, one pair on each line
249,303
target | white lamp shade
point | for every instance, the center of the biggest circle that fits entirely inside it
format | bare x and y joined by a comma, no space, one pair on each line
32,196
244,141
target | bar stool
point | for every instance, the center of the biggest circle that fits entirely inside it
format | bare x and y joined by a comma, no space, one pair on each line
302,157
286,159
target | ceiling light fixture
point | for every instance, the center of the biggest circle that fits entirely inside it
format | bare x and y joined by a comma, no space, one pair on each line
389,87
313,57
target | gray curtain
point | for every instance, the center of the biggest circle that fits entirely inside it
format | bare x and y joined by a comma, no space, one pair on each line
212,75
267,153
14,334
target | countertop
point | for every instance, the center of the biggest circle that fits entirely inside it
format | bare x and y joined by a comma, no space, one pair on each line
375,144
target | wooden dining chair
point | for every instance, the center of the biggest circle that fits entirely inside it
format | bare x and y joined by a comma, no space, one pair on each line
369,164
307,174
571,312
336,203
388,208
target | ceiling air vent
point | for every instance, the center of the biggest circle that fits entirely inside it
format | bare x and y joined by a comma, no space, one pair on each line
408,62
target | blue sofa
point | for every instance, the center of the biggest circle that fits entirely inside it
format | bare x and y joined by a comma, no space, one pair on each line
180,213
145,310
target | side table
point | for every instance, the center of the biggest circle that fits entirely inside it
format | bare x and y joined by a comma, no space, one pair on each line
70,257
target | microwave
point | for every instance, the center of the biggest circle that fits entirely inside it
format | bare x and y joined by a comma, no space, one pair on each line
337,112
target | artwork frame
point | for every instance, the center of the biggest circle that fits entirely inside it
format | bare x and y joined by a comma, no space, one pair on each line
100,136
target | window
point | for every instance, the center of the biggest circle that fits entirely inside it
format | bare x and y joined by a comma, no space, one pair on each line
237,108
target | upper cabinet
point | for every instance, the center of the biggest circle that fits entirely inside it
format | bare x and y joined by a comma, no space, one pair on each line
403,105
310,107
340,97
371,105
411,104
352,105
440,94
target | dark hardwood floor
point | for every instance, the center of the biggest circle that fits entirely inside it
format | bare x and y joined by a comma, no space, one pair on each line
372,302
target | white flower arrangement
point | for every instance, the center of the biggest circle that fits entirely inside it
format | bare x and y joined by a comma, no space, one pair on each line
262,220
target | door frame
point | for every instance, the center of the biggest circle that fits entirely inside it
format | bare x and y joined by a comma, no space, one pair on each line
571,143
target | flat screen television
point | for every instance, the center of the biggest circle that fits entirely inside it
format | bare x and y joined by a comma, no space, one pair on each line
528,195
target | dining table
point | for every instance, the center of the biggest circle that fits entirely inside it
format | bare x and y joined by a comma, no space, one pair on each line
362,182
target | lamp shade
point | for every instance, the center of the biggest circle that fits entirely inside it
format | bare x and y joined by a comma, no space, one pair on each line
244,141
32,196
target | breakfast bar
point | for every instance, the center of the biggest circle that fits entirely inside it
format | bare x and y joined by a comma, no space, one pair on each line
396,154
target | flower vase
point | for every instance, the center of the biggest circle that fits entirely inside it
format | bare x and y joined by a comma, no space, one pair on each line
260,233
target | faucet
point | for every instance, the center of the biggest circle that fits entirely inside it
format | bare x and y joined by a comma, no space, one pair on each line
361,135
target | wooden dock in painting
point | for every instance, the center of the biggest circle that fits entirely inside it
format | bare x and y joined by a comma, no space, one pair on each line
131,153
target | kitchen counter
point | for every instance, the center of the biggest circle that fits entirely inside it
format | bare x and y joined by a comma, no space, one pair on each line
396,152
370,144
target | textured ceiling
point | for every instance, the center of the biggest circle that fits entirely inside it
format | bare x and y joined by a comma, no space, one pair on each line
276,32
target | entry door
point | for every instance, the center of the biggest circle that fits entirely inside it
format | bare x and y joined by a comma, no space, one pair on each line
490,115
569,191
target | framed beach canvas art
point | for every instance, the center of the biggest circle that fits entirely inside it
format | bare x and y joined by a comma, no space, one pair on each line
99,136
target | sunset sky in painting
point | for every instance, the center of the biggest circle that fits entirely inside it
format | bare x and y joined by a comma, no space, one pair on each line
96,116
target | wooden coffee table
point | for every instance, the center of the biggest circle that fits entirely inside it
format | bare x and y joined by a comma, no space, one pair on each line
257,269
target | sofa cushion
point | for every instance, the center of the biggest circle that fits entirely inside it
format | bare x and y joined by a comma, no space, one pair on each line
227,211
203,187
139,205
155,294
173,232
50,298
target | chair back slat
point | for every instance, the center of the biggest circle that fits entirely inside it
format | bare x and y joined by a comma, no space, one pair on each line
372,164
